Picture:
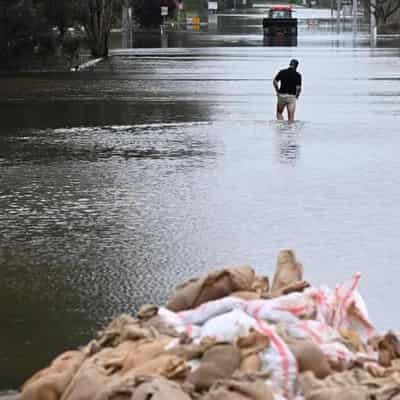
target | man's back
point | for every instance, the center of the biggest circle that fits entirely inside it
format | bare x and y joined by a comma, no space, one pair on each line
289,79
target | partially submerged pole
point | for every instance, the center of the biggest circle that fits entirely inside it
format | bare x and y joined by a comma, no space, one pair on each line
125,24
373,26
355,16
339,8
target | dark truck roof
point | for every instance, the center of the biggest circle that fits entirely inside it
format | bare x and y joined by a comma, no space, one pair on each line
280,12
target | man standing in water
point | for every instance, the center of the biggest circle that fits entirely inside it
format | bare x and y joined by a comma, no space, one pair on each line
288,91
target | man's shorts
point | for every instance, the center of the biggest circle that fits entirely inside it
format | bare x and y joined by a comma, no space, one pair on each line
285,99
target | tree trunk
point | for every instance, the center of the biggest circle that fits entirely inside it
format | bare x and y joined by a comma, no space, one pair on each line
98,25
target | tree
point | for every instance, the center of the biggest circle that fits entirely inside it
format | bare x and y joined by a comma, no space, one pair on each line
59,14
17,29
148,12
97,17
382,9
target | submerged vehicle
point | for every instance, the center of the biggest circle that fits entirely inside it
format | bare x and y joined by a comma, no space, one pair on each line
280,23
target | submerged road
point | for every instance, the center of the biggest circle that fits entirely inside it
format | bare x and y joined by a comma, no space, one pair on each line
119,183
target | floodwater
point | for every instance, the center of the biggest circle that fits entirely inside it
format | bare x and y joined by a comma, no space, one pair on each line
160,164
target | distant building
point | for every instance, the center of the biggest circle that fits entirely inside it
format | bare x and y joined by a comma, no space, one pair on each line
230,4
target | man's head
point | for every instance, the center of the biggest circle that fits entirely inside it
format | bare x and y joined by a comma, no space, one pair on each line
293,63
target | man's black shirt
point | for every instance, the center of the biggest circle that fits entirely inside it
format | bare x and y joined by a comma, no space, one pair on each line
289,79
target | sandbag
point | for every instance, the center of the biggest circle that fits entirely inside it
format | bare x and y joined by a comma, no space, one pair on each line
110,364
288,271
166,365
119,330
388,347
337,394
299,305
279,362
227,327
218,363
145,350
350,311
160,389
192,350
338,355
352,341
260,285
246,295
215,286
97,372
50,383
175,321
208,310
314,389
309,357
240,390
317,331
250,346
143,388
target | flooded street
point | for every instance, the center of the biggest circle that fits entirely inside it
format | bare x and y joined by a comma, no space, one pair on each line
118,183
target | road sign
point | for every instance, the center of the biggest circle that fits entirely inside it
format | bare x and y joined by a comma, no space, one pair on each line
164,11
213,5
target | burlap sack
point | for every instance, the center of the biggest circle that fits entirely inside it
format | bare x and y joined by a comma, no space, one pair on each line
119,330
192,350
260,285
121,386
215,286
97,372
166,365
388,347
50,383
314,389
309,356
110,364
160,389
338,394
219,362
288,271
144,388
160,327
246,295
240,390
250,346
224,394
352,340
143,351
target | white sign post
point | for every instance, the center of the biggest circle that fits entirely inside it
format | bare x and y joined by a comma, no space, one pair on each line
164,13
213,5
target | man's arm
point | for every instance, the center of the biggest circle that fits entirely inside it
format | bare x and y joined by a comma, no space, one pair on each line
298,91
276,85
276,82
298,86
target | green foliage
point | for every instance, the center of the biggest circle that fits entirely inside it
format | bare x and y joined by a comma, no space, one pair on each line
148,12
41,27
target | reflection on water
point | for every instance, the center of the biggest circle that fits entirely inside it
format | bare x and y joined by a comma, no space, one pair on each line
287,138
280,41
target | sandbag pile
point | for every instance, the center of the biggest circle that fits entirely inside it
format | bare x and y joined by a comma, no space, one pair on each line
233,336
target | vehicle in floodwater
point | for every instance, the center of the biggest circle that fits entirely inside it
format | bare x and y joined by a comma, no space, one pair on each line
280,23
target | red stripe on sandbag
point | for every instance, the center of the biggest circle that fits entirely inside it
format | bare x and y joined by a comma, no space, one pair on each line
314,335
282,351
